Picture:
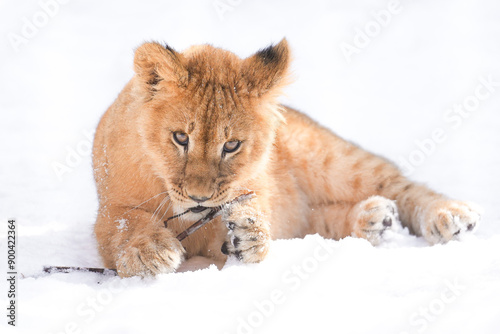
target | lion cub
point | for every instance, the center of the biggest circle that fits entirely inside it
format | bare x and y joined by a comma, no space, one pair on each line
193,130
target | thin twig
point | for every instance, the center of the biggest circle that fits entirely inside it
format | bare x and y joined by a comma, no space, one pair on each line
59,269
214,212
211,215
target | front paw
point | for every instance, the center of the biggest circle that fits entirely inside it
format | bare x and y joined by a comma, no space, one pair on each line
449,220
248,239
150,255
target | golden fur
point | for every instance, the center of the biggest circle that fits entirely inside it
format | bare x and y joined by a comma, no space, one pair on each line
307,179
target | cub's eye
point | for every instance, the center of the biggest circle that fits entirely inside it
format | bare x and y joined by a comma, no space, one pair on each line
231,146
181,138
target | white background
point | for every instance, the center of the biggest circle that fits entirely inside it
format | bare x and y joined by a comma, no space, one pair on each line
393,93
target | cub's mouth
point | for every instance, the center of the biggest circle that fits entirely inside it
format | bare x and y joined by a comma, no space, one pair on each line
198,209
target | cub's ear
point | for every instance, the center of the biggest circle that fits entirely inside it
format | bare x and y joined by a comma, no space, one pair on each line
267,69
154,63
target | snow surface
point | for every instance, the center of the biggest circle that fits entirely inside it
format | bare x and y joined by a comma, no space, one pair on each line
430,56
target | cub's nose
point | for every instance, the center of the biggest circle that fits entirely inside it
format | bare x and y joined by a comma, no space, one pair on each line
199,199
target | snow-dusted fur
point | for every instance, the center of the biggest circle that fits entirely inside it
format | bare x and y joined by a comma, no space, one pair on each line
202,127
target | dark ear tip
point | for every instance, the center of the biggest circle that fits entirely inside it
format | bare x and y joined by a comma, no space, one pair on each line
274,53
170,49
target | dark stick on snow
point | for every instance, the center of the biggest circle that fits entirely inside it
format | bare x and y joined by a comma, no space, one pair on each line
57,269
213,213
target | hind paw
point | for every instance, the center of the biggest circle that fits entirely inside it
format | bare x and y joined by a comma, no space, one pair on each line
450,220
373,217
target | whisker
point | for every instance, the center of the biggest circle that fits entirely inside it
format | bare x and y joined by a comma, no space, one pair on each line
166,210
135,207
158,209
163,205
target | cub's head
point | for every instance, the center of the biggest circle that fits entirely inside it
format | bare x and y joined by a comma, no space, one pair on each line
208,118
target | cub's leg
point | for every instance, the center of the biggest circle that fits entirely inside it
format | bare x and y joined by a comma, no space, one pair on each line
426,213
378,193
135,243
367,219
435,217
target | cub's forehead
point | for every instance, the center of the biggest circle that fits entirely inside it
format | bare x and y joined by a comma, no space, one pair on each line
218,125
215,104
210,117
